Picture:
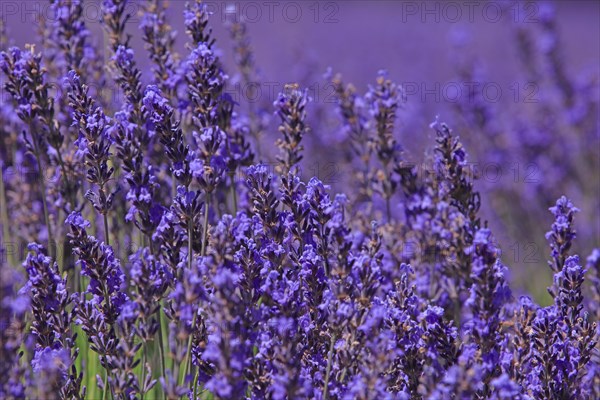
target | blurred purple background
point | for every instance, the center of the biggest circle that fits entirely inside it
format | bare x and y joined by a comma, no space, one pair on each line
296,41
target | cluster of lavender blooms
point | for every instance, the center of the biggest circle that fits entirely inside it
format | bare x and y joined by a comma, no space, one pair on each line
168,259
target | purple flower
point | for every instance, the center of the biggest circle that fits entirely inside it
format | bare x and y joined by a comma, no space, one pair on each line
505,388
562,233
75,219
196,16
109,6
100,264
290,106
123,57
51,361
157,106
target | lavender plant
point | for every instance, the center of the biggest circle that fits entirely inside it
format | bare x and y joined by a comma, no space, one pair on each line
213,276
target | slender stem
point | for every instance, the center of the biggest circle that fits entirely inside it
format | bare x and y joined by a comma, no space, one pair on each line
106,234
151,245
120,237
143,383
64,173
189,344
234,194
105,390
90,368
205,227
82,357
72,194
196,384
190,249
173,187
107,300
51,245
161,341
457,312
328,371
160,336
187,358
345,370
112,393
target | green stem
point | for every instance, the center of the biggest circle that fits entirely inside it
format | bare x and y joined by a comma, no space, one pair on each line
457,312
173,187
151,245
71,197
105,390
51,244
64,173
187,359
143,383
82,358
196,384
106,234
161,351
107,299
90,368
190,249
328,371
205,227
189,344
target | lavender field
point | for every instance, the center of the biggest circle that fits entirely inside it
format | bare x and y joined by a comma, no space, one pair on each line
299,200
